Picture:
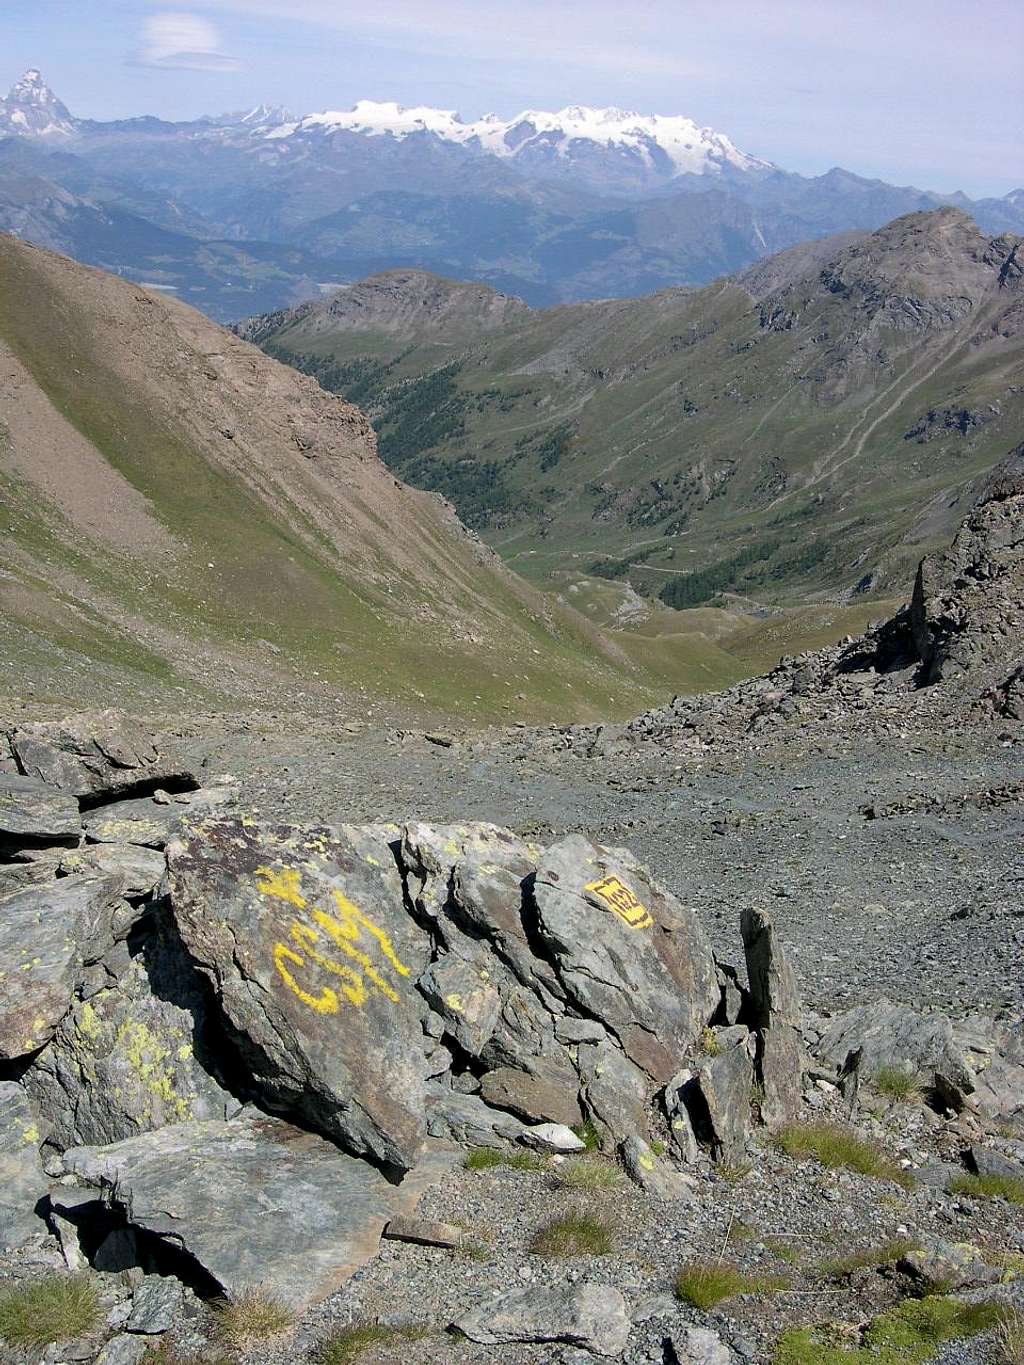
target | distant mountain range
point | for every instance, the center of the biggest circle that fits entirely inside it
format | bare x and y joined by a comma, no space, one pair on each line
810,426
250,212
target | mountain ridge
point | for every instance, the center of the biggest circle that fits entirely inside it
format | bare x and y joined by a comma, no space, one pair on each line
809,425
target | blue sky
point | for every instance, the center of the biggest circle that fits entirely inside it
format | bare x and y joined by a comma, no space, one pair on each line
924,93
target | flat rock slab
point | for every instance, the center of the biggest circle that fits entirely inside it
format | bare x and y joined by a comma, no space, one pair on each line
33,813
254,1201
22,1181
97,754
47,934
148,823
313,958
589,1315
626,951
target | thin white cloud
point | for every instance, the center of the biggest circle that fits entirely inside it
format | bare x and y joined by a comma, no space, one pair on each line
182,42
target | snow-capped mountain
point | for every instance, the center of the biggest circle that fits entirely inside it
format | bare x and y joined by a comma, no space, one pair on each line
31,108
590,144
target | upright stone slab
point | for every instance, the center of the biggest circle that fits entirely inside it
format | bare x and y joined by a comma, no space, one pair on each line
775,1007
304,935
625,951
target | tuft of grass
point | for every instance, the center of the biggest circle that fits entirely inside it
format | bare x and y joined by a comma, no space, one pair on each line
732,1171
709,1043
909,1334
489,1158
898,1083
659,1148
784,1250
55,1308
349,1343
870,1259
573,1234
588,1134
1006,1187
252,1315
835,1147
741,1232
1009,1339
588,1173
703,1284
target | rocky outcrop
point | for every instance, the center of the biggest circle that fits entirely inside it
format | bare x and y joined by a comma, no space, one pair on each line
967,611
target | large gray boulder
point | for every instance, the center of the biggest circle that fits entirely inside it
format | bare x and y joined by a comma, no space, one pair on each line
48,935
98,754
888,1035
22,1181
304,937
589,1315
777,1016
253,1201
625,951
33,814
135,1054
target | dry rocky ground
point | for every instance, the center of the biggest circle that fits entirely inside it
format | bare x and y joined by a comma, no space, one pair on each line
869,827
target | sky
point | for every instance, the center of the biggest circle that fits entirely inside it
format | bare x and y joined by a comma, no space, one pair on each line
923,92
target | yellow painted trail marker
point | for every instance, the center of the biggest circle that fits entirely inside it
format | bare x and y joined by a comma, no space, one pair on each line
617,896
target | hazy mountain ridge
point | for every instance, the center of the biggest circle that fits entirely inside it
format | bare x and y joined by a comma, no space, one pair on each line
551,207
813,423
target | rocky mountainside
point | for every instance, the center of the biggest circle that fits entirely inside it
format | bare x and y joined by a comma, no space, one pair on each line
254,211
589,1114
816,422
184,517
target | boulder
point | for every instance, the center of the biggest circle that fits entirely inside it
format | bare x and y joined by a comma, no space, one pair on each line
97,755
34,815
776,1014
124,1060
48,934
140,869
304,937
654,1176
589,1315
987,1161
252,1201
149,822
625,951
552,1137
888,1035
22,1180
614,1092
697,1346
944,1266
718,1100
156,1306
545,1094
466,1119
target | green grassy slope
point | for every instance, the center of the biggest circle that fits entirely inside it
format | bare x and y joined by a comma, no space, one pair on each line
803,443
211,522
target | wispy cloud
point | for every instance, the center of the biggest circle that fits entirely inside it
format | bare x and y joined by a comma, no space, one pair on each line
182,42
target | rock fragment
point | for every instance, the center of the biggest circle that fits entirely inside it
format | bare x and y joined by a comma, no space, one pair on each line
34,815
588,1315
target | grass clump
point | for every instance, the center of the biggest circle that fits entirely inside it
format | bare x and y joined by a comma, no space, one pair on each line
252,1315
897,1083
732,1172
573,1234
709,1043
349,1343
490,1158
1009,1342
1006,1187
907,1335
703,1284
835,1147
55,1308
588,1135
588,1173
870,1259
165,1352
